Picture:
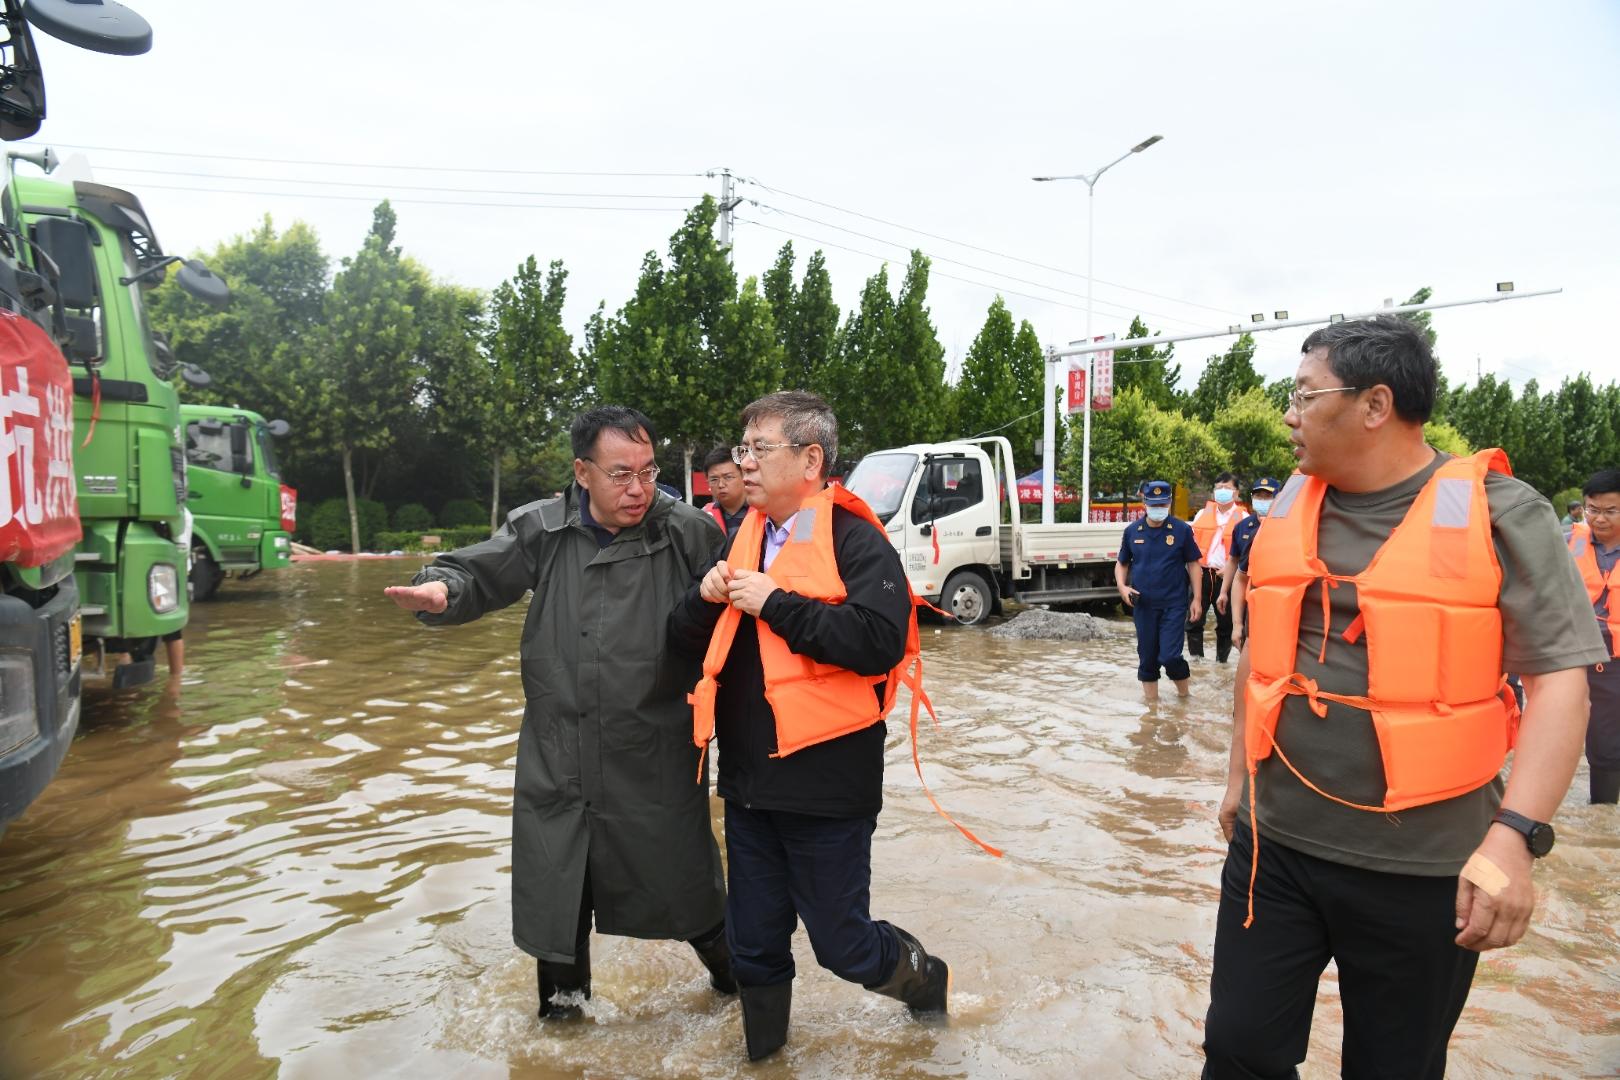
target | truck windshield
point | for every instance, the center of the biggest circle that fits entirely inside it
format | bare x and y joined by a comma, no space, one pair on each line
267,451
881,480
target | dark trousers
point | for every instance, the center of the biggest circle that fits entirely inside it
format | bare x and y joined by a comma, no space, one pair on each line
577,975
1223,621
1158,642
1603,728
1402,978
784,867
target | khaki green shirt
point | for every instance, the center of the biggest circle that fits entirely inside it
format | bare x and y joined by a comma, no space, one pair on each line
1547,626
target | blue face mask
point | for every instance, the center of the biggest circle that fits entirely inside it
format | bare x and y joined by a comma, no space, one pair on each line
1224,496
1261,506
1156,514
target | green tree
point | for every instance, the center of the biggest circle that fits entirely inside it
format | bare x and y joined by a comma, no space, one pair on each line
1279,392
365,365
1590,434
1225,376
1442,436
1137,441
531,380
857,378
987,393
1148,369
814,328
917,396
255,347
1540,459
689,348
1251,429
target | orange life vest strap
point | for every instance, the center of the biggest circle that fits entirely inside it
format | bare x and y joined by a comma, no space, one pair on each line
911,678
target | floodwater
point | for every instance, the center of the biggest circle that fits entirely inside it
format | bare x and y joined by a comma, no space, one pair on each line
296,864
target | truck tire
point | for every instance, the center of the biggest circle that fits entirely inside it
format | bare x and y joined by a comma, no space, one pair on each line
205,574
968,596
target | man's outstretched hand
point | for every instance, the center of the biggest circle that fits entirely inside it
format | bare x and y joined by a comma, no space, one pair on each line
432,597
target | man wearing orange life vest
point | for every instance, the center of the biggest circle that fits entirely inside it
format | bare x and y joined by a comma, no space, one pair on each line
1213,528
1391,587
804,624
726,484
1594,541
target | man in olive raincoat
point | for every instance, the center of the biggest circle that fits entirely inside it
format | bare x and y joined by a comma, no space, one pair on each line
607,817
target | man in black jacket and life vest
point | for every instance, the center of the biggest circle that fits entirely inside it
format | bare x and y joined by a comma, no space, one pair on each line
804,623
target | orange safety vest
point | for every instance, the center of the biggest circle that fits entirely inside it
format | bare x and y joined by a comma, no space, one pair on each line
719,515
1203,527
1580,546
811,701
1440,705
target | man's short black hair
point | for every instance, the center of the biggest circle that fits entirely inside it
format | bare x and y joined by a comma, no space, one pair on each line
1603,482
1227,478
720,455
1383,350
589,425
1573,503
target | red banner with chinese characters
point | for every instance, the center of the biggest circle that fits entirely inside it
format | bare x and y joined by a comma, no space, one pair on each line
289,508
39,508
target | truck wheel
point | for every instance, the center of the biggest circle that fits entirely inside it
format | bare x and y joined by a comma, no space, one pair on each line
205,574
969,597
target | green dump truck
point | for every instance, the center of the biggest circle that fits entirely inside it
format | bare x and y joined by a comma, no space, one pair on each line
128,455
243,516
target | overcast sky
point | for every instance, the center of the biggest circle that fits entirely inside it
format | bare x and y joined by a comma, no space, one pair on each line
1316,157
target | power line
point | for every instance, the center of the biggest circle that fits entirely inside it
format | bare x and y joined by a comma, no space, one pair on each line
364,164
401,187
982,250
414,202
980,269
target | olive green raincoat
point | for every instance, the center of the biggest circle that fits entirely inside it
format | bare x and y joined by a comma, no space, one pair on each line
607,776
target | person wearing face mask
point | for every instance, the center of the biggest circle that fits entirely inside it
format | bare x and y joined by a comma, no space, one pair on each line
1235,574
1213,528
1160,580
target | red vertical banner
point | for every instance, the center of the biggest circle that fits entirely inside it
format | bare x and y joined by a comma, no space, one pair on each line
39,509
1077,390
289,509
1102,378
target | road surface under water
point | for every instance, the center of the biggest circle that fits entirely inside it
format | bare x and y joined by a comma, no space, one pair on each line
296,863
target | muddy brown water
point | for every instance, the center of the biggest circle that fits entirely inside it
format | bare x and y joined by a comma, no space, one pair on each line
295,863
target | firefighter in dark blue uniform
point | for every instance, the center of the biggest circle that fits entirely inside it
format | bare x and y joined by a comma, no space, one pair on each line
1160,580
1235,574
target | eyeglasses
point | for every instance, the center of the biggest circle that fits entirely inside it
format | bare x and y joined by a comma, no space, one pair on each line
723,479
1602,511
1298,398
760,451
622,477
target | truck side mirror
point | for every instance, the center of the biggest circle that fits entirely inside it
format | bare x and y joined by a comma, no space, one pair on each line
83,344
203,283
98,25
278,428
67,242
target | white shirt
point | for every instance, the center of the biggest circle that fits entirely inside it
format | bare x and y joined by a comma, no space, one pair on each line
775,538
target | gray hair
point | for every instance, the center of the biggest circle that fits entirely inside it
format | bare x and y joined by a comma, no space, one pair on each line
806,419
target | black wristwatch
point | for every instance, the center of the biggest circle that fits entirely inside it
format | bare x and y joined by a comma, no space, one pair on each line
1538,835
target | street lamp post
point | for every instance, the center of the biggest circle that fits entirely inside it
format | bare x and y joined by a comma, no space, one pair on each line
1049,418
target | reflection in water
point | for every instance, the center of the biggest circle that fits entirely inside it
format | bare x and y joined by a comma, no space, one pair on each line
297,865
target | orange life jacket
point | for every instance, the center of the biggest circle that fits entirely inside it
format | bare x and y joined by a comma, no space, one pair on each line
1439,702
1203,527
1580,546
811,701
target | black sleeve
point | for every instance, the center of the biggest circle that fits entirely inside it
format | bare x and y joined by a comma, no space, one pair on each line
691,623
865,634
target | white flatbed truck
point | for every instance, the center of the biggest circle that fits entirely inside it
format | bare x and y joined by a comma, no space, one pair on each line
951,511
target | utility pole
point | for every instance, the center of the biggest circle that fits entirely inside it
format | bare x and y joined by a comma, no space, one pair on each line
728,202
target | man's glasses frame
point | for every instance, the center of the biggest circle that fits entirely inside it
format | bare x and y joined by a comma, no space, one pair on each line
760,451
622,477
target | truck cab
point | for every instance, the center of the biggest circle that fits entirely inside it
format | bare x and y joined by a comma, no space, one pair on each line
243,516
131,471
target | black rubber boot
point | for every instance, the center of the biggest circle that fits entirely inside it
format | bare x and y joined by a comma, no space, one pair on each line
715,953
923,982
557,979
765,1012
1605,786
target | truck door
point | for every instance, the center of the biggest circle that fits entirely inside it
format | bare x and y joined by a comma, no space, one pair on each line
950,523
